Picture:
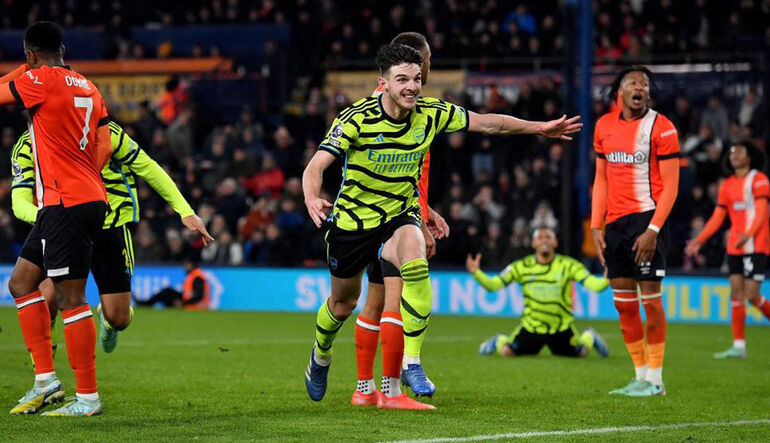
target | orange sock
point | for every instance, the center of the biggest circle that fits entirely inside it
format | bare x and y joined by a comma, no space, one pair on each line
392,337
80,337
627,304
763,305
656,335
367,332
739,319
35,321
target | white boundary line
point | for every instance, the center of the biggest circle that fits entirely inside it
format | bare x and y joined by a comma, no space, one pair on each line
594,431
245,341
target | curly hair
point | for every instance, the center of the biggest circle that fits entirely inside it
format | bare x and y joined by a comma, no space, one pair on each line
394,55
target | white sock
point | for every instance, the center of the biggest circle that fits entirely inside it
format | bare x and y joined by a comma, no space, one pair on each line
739,344
366,386
655,376
321,360
390,386
641,372
43,381
89,397
409,360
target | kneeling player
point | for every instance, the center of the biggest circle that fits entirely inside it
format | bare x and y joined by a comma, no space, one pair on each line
546,282
743,197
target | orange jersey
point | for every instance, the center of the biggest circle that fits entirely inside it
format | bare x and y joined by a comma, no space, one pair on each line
738,196
66,110
633,150
422,186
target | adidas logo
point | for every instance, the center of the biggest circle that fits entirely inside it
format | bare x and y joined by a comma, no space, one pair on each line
379,139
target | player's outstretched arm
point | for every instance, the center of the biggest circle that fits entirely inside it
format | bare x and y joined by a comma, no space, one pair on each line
491,284
13,75
500,124
312,179
710,228
589,281
6,96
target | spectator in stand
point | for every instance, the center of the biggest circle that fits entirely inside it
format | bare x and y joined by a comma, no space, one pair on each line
544,218
231,203
269,179
715,117
224,251
173,100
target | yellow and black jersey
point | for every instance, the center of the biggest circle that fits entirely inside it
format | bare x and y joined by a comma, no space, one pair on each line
383,158
119,175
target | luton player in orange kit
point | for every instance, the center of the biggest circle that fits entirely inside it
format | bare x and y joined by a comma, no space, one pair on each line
637,176
743,197
70,138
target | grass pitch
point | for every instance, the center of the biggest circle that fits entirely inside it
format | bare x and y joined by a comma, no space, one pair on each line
238,376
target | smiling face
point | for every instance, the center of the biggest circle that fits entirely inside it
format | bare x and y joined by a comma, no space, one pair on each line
635,91
403,84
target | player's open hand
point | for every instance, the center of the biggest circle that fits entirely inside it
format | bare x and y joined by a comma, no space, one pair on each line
599,244
472,264
437,226
692,247
561,128
316,209
742,241
644,246
194,223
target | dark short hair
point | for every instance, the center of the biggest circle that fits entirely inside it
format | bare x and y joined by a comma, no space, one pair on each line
43,37
756,155
414,40
394,55
615,85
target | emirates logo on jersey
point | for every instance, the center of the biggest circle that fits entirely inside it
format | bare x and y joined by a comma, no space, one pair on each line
637,158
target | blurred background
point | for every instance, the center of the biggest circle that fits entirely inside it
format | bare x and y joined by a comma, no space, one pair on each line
231,97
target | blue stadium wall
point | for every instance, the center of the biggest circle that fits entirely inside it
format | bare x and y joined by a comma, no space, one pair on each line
687,299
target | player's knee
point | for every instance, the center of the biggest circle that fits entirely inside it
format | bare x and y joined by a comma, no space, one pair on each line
18,287
118,319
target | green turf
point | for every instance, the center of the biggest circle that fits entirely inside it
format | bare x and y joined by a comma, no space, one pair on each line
238,376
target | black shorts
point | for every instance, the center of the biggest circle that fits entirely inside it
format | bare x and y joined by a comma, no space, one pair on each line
749,266
619,255
379,269
349,252
562,343
61,241
113,259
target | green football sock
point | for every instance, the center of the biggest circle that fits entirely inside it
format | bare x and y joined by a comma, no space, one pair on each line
416,303
326,328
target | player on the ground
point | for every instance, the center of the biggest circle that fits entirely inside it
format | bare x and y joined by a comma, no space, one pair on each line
637,178
384,277
546,282
743,197
376,214
113,257
70,139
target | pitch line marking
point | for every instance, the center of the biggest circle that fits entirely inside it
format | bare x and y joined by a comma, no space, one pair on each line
590,431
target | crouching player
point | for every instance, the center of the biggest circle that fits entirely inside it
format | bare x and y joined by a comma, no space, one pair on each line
546,282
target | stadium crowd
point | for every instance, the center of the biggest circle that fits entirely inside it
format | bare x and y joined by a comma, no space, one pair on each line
456,29
243,177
